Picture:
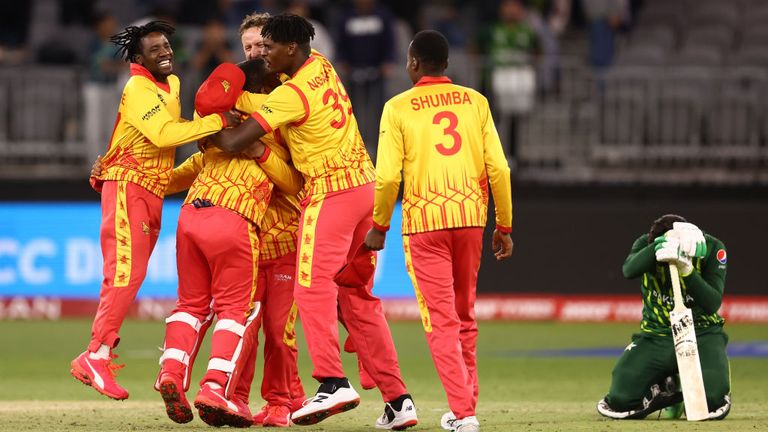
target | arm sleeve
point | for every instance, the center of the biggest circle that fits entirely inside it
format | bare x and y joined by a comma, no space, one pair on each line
641,259
279,170
498,170
389,165
249,102
286,104
184,174
148,114
707,285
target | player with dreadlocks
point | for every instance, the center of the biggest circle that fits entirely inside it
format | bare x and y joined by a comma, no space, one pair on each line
313,113
136,170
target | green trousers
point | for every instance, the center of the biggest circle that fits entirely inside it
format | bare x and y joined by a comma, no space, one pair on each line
650,358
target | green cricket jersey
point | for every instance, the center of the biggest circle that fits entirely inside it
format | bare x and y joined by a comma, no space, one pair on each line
702,289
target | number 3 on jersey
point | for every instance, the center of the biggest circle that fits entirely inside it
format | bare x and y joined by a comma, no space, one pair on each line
449,131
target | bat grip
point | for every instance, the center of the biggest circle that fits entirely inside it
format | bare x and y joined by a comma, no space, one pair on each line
677,292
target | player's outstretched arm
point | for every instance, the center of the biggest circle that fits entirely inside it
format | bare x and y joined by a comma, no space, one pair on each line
235,140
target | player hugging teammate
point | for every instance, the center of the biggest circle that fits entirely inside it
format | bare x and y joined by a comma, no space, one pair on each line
304,132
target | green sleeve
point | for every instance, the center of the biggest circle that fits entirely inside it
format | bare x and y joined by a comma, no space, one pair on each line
707,282
641,259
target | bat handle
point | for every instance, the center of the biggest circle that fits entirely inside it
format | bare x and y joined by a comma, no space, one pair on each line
677,292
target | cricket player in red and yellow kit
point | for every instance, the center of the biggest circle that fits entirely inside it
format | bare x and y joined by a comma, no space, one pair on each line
281,385
218,248
314,116
137,167
442,138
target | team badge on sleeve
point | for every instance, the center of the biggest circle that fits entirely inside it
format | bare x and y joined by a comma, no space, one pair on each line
722,257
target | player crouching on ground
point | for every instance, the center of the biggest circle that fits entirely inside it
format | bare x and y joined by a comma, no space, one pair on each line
217,245
644,376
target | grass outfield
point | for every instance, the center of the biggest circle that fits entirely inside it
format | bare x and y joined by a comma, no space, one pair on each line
519,389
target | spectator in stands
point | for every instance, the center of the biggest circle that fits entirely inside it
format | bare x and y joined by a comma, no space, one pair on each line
511,47
214,48
605,18
449,25
322,41
101,94
549,19
511,41
365,52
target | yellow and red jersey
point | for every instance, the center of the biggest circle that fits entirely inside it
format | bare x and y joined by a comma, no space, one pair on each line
441,136
234,182
147,130
280,226
314,115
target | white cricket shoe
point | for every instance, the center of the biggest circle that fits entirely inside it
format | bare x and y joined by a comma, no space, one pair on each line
393,419
447,420
328,401
468,424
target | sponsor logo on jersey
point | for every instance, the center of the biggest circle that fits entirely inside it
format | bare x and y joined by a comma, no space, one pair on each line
150,113
722,257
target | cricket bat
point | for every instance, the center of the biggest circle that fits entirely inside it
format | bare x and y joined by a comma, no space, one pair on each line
687,353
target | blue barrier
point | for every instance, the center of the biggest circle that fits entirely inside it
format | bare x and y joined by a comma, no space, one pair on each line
52,249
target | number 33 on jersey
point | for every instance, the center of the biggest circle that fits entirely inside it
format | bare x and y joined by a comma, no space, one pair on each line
442,137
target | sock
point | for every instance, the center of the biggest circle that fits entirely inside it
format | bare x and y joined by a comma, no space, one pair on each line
102,353
331,384
397,404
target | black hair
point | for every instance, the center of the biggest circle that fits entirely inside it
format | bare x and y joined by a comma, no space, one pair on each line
255,71
129,40
430,48
662,225
287,28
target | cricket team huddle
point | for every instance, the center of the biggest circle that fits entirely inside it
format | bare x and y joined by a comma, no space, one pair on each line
283,217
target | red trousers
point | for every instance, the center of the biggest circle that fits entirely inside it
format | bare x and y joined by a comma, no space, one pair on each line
217,259
443,266
332,228
280,383
130,225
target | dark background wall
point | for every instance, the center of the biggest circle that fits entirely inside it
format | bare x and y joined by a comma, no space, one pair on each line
573,240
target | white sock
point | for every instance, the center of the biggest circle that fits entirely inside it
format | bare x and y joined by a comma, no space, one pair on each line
102,353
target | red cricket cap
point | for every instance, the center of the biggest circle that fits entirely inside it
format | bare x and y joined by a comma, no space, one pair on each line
359,270
220,91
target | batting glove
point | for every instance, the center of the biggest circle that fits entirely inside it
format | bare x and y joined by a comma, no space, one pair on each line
668,250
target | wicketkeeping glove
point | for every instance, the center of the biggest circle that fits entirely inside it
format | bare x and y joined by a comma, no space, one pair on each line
668,250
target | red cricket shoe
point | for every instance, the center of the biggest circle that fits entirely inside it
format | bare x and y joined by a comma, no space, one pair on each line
277,416
258,418
176,405
216,410
99,374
